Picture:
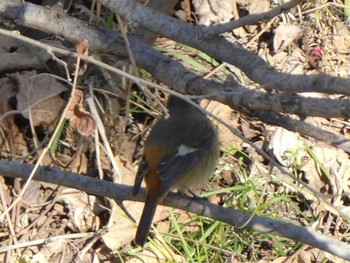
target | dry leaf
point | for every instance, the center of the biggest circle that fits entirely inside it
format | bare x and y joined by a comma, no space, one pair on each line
285,34
157,253
82,49
46,111
79,118
7,91
341,38
257,7
224,112
122,230
53,247
336,162
39,93
83,209
287,147
250,129
213,11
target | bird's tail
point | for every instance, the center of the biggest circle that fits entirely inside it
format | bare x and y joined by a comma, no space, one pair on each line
146,219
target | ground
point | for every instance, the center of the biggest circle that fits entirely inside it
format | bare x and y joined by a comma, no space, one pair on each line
101,131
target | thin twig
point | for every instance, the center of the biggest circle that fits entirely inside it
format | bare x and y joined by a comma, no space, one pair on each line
252,19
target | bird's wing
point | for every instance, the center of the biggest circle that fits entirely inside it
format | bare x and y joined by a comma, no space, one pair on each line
174,167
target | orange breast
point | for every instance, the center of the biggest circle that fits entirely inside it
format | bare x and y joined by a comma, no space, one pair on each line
152,179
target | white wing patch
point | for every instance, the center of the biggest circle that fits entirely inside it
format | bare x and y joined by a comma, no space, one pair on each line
183,150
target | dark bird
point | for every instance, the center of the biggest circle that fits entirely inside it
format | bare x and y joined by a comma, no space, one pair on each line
180,152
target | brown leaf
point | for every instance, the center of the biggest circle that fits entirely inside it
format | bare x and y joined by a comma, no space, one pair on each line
83,209
213,11
257,7
79,118
39,93
224,112
122,230
249,130
287,147
285,34
83,47
84,123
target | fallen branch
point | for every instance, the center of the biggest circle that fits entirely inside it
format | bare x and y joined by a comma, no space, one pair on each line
232,94
305,235
219,48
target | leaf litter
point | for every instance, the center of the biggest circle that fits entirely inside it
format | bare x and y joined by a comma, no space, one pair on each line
314,45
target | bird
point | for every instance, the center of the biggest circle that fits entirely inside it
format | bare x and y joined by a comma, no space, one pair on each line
180,152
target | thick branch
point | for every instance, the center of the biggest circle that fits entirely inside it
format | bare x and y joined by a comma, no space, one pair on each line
301,127
181,79
252,65
230,216
57,22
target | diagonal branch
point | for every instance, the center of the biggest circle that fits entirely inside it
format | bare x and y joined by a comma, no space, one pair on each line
182,80
217,47
254,67
305,235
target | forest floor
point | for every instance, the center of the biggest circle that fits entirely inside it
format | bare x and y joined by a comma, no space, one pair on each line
52,223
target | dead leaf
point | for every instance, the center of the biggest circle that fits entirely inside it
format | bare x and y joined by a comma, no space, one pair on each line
21,144
336,162
39,94
287,147
341,38
213,11
225,113
78,117
82,49
285,34
157,253
249,129
83,209
8,91
53,247
122,230
257,7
